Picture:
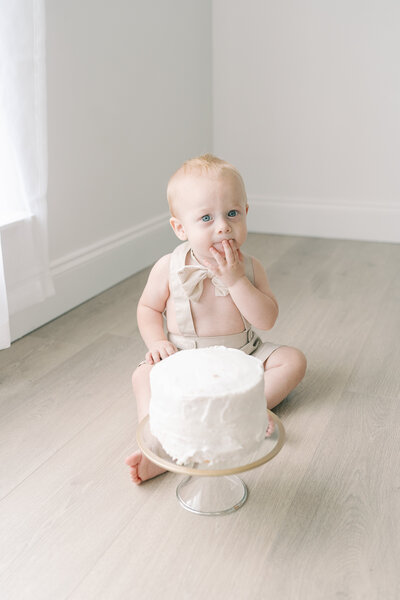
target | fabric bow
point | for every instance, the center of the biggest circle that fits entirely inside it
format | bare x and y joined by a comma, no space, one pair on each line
192,277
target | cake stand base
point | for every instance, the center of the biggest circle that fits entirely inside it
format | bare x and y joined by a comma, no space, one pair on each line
211,491
212,496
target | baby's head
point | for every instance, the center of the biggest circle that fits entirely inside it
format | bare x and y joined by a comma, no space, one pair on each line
208,203
206,166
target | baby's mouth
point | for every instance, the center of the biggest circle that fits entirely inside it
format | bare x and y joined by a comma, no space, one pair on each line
220,247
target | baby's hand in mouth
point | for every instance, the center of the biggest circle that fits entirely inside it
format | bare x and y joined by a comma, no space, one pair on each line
229,263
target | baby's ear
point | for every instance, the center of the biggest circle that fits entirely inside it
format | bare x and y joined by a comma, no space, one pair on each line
178,228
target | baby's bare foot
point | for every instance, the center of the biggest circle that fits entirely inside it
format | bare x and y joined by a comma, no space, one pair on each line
141,468
271,426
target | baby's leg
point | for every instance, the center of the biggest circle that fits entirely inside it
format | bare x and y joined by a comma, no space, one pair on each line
284,369
141,468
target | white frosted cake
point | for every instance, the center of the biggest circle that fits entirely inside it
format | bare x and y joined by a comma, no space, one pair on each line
208,405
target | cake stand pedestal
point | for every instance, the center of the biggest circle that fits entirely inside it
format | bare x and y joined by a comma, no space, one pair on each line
208,490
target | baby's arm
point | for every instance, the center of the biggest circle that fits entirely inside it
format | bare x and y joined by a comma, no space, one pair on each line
149,313
256,302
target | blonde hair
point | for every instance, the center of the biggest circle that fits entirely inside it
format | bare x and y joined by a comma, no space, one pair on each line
201,165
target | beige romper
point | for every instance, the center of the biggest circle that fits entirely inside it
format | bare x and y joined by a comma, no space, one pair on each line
247,340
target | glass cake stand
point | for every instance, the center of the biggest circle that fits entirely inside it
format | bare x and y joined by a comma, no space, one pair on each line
208,490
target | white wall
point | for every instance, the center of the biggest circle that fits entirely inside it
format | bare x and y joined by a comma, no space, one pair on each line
129,99
301,96
306,103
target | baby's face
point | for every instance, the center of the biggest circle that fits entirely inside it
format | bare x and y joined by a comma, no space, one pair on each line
209,209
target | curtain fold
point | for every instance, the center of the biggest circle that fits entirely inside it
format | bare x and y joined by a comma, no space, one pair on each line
24,261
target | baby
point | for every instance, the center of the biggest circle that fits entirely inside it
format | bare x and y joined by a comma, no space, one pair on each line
209,291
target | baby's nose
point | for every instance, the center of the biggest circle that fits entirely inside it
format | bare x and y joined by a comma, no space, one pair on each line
223,226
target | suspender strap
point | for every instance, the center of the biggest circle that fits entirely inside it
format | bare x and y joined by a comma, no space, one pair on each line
184,317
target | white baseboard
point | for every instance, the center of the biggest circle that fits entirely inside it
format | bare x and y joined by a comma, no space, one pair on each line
377,223
89,271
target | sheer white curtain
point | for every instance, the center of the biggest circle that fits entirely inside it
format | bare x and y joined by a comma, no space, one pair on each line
24,265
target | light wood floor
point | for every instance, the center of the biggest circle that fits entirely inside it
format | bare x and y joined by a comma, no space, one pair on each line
322,518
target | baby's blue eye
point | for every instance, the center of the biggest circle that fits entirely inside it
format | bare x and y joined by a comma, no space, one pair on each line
206,218
232,213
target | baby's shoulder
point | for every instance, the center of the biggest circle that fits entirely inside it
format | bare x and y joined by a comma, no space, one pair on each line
258,271
158,279
163,262
256,263
161,267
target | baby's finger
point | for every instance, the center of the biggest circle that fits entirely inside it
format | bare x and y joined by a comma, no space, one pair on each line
171,349
218,257
209,265
233,246
229,253
162,354
156,356
149,358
